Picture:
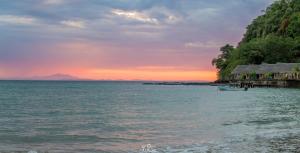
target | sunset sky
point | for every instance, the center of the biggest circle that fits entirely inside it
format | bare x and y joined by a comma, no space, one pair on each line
120,39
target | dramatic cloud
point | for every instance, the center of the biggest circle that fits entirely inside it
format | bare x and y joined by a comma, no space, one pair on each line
134,15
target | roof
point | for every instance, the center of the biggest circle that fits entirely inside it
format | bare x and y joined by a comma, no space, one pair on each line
266,68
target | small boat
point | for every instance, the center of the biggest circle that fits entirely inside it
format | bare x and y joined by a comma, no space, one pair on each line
228,88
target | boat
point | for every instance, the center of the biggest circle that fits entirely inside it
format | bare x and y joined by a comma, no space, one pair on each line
228,88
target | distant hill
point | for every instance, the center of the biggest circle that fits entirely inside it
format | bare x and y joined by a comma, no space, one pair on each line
57,76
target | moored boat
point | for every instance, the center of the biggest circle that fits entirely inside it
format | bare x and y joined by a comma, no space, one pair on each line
228,88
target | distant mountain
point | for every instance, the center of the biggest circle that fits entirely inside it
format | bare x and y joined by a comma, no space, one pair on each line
57,76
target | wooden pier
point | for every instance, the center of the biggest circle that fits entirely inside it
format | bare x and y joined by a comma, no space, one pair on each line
266,84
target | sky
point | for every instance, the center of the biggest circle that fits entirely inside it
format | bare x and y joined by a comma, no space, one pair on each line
170,40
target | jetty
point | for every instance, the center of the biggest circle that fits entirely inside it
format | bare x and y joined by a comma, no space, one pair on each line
179,83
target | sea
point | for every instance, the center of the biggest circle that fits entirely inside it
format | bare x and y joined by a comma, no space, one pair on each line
130,117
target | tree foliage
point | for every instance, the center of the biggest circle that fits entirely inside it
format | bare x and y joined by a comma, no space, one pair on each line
270,38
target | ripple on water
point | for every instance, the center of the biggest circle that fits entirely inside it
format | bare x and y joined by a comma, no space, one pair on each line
97,117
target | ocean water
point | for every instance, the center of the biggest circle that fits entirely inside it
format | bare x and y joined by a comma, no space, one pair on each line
129,117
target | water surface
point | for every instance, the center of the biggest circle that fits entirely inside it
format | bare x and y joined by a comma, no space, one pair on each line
92,117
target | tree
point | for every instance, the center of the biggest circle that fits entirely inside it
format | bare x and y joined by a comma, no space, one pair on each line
270,38
221,62
293,29
252,52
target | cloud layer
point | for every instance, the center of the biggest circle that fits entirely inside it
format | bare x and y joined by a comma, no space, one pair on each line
134,15
73,23
73,36
19,20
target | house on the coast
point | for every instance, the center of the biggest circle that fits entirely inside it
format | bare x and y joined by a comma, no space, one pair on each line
267,72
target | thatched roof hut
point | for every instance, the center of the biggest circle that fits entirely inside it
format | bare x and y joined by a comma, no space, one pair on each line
279,74
266,68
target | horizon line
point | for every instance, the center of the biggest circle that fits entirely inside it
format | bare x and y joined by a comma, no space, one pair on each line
91,80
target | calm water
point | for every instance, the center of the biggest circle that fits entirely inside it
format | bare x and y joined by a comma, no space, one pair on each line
92,117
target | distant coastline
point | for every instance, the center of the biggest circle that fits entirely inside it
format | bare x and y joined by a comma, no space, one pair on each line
171,83
183,83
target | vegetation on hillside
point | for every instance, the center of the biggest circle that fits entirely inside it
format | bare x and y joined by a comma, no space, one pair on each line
270,38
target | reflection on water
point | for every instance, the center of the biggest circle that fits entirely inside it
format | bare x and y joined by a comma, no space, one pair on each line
85,117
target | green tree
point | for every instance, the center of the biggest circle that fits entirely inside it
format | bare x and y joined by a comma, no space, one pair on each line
221,62
272,37
293,29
